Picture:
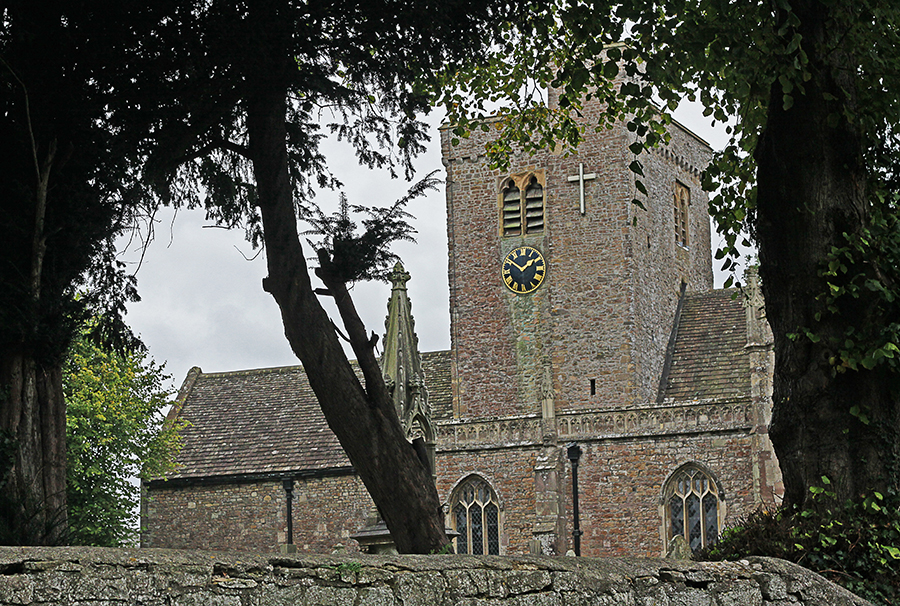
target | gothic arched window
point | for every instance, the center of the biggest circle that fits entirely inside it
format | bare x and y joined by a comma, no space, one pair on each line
475,515
693,506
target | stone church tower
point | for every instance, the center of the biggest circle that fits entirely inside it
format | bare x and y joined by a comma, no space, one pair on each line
580,323
565,302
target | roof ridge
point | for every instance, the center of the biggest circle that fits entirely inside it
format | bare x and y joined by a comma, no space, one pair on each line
253,371
715,292
293,367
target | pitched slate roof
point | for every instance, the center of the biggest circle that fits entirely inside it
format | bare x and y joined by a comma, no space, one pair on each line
268,421
710,360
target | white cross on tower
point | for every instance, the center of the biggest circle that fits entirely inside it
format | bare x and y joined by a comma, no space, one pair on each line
581,178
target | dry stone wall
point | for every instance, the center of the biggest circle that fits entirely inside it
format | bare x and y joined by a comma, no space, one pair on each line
95,576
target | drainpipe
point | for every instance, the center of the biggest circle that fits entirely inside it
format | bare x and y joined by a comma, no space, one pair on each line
573,452
289,500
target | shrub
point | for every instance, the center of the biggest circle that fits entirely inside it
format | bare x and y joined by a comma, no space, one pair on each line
855,544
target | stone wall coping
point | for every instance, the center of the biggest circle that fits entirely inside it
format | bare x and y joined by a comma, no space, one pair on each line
66,576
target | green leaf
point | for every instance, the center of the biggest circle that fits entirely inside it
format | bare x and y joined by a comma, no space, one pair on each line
610,69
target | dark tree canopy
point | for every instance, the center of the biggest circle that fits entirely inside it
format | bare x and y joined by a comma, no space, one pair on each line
215,104
68,187
235,116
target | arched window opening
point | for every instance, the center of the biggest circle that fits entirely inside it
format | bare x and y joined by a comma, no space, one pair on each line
512,215
534,207
693,504
682,202
522,205
475,515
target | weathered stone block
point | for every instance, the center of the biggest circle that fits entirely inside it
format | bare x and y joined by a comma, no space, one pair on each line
422,589
16,589
330,596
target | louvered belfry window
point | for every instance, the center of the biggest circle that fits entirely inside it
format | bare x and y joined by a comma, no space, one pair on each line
693,507
522,206
512,210
534,207
682,203
476,517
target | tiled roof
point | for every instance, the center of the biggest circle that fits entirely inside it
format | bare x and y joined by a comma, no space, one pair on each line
709,360
268,421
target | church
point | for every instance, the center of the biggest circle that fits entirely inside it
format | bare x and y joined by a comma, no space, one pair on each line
586,338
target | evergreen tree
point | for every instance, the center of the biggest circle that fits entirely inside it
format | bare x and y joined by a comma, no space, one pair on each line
244,86
222,100
67,188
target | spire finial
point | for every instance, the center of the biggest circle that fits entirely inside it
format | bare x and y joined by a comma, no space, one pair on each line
399,277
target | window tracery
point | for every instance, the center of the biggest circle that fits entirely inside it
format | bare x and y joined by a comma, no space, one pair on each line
475,515
693,506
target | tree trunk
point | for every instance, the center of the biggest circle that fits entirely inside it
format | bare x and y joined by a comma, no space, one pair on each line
811,190
33,452
363,419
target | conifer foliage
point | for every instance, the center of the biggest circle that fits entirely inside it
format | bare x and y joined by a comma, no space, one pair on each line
68,186
214,104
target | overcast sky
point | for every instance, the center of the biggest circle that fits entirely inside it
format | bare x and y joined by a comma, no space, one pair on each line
202,300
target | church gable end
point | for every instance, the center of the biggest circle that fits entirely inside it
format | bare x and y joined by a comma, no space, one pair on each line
250,432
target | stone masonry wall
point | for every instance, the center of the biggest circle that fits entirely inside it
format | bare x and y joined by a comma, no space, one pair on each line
248,516
621,482
85,576
661,264
605,311
510,474
251,516
620,487
497,335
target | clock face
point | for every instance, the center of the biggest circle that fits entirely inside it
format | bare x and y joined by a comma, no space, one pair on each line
523,269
